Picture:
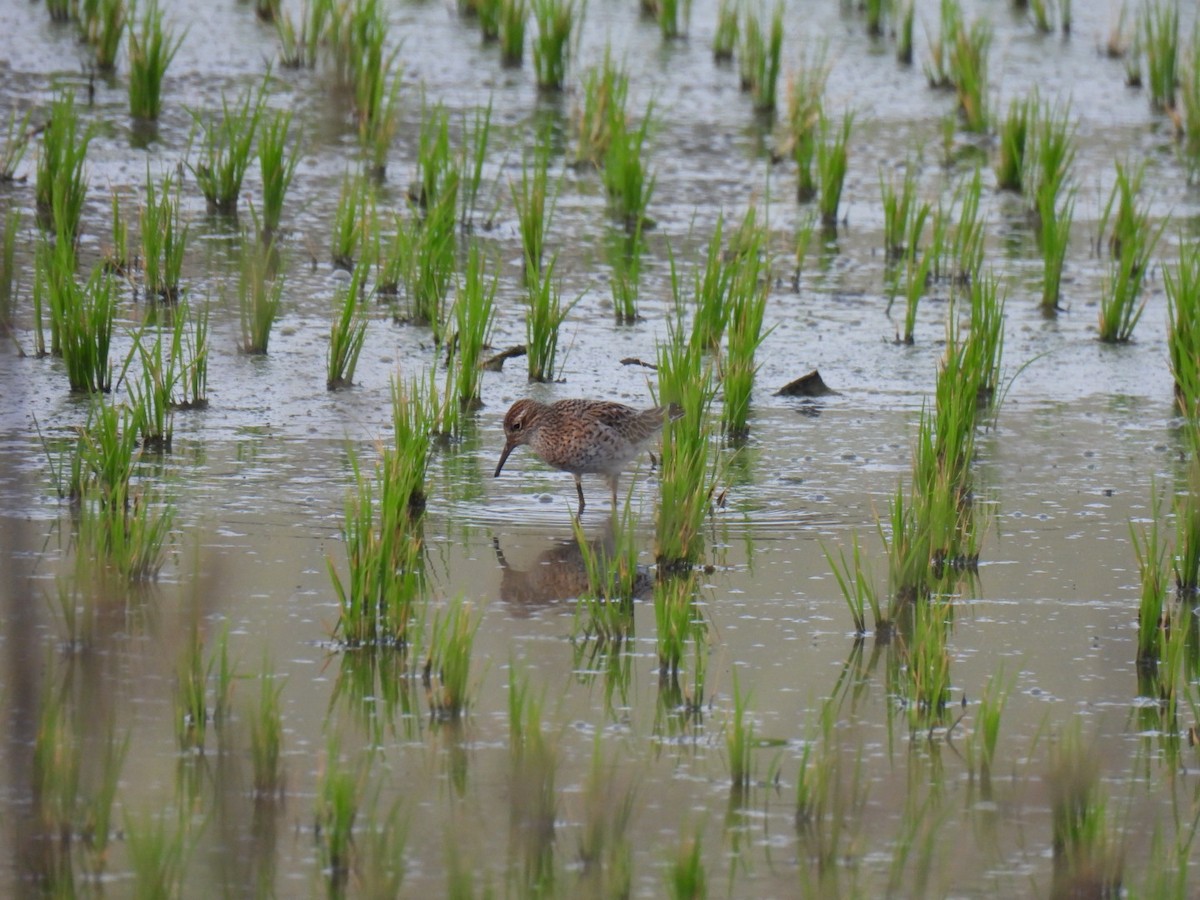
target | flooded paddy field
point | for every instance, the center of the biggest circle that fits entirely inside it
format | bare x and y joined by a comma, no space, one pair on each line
787,754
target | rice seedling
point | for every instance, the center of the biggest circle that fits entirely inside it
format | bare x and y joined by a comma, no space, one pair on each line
102,27
969,72
339,790
739,740
1186,559
725,36
350,229
557,20
1159,33
158,852
267,10
82,317
59,10
414,408
266,736
832,160
1153,612
902,213
602,112
686,481
918,269
191,695
227,145
278,156
347,332
164,239
806,91
675,618
1055,236
260,299
1182,284
431,252
904,33
857,585
449,660
673,17
1131,242
966,243
747,306
626,182
61,184
513,16
1086,851
686,878
151,390
1040,11
189,347
13,144
711,292
151,48
1053,154
299,48
116,258
760,59
8,269
625,263
384,552
474,315
1014,133
534,203
909,551
544,316
476,135
938,71
985,343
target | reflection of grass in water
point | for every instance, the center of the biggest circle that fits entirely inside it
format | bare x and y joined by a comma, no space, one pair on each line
339,790
739,740
191,696
686,875
981,744
158,852
605,849
447,668
604,613
266,735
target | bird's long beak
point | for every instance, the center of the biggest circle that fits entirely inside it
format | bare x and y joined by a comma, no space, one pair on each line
508,448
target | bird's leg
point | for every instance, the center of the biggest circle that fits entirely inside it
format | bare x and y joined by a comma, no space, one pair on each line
579,491
612,483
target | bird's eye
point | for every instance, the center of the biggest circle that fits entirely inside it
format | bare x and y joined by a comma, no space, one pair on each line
516,426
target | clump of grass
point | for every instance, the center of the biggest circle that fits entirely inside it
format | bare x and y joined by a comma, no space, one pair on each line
350,222
918,266
8,269
1050,160
513,16
378,103
449,660
1182,284
158,853
605,89
474,314
82,317
151,48
1054,237
61,185
938,71
1131,242
832,162
725,36
806,91
711,293
625,262
278,156
1153,610
904,32
116,258
748,303
227,146
544,317
414,409
1014,133
857,587
903,215
347,333
102,24
760,56
626,182
152,389
534,203
966,242
928,663
685,482
686,876
556,23
298,48
13,144
260,299
384,553
968,71
189,347
476,135
1159,33
164,240
191,696
678,620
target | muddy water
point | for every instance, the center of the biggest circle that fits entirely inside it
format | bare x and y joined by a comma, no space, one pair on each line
258,481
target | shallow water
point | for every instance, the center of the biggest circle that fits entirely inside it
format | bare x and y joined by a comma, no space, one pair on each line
1083,438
